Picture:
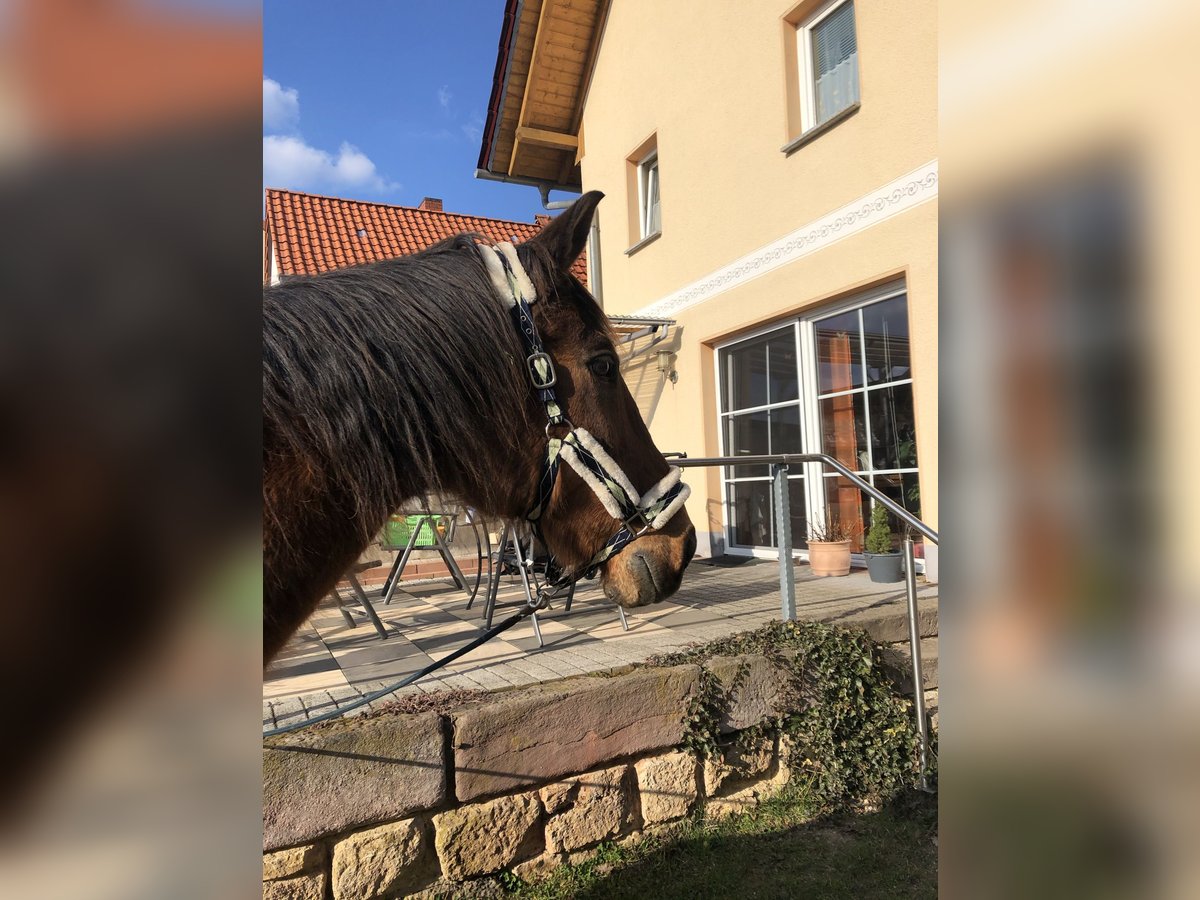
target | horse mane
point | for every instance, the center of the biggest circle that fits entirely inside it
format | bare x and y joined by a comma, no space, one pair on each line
377,378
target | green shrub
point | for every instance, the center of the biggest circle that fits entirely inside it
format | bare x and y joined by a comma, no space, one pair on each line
856,737
879,538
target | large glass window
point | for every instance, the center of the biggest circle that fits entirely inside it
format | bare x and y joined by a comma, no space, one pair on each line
849,395
865,398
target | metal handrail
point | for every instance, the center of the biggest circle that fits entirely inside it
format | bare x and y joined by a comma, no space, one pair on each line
780,463
789,459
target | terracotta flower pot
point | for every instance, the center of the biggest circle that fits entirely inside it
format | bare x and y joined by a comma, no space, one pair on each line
829,558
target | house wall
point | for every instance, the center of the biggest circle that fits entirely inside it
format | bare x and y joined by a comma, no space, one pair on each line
713,87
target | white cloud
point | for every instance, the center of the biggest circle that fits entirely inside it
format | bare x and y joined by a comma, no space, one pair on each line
290,162
473,130
281,107
431,134
444,96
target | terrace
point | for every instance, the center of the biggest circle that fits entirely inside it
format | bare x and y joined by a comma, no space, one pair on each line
328,664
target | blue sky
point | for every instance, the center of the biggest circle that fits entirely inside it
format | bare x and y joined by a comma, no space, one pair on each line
384,101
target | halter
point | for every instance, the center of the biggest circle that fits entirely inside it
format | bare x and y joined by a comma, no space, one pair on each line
637,513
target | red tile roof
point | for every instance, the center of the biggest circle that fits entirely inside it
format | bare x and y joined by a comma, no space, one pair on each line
313,234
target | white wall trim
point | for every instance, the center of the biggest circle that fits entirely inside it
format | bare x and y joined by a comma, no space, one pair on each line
910,190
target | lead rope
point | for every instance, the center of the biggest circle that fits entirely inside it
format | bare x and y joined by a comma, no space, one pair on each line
508,623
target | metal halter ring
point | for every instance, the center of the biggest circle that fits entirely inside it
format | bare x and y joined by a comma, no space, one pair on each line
564,422
634,528
531,361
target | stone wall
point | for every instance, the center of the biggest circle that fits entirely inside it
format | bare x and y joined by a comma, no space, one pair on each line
398,804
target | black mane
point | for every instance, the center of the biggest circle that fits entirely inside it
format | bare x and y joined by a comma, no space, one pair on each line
380,376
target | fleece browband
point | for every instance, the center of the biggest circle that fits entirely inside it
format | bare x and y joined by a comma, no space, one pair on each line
499,275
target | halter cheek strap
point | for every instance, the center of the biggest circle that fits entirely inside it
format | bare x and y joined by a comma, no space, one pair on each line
582,452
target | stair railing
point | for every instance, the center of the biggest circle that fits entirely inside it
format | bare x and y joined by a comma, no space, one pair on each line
780,463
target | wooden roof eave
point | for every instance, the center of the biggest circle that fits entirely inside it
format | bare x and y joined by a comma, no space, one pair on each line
535,135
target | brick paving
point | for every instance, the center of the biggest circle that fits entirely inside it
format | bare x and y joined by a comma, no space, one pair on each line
328,664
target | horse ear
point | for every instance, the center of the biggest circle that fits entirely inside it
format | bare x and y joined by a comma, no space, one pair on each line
567,233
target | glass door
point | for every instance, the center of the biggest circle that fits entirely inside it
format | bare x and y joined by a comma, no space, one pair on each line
761,413
839,383
863,397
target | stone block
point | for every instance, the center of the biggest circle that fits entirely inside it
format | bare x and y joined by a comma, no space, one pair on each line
293,861
351,773
538,867
666,786
524,737
889,624
389,861
897,659
931,707
482,838
741,795
302,887
754,688
587,809
742,762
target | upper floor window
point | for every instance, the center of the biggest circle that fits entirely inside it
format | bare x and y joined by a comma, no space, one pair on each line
649,211
643,185
827,58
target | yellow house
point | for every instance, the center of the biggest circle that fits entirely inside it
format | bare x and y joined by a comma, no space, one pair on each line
771,180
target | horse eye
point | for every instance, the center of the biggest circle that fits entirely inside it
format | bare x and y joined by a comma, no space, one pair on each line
602,367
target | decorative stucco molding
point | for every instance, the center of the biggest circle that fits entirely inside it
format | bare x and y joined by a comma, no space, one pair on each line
907,191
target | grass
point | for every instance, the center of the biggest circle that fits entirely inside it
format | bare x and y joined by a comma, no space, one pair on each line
778,850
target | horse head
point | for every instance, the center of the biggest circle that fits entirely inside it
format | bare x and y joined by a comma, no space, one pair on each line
593,395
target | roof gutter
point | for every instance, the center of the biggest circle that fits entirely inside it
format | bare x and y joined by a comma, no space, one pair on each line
508,37
544,187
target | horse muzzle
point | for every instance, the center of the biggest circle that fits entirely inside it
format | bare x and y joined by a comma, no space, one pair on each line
651,568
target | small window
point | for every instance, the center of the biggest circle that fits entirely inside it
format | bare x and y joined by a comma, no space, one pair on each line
649,212
827,53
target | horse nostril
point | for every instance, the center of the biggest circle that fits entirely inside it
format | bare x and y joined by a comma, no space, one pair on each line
689,549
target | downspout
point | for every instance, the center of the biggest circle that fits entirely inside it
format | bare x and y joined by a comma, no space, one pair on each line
595,278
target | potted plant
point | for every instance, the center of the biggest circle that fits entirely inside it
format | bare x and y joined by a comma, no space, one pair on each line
829,549
883,560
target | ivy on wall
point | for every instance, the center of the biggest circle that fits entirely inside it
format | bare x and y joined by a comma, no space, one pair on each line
855,734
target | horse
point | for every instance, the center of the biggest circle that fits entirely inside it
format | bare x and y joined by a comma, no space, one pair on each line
396,379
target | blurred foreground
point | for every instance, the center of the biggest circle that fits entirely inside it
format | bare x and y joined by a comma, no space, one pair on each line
1070,763
129,435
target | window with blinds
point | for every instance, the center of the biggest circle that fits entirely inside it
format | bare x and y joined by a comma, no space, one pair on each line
828,45
649,206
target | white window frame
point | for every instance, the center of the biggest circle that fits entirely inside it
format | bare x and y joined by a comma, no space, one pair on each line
643,173
723,415
804,54
810,417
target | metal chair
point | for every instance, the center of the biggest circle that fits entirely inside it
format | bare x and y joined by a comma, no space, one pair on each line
408,532
361,595
524,564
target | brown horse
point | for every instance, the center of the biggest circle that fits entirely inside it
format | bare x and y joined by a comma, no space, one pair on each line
388,381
